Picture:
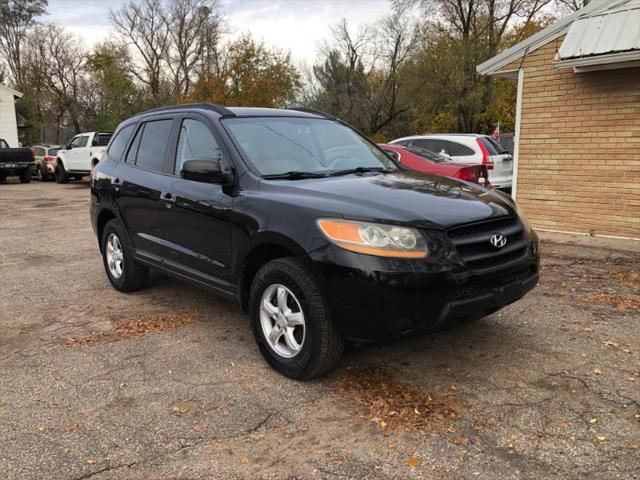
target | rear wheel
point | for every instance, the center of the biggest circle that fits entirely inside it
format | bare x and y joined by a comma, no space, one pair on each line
291,320
3,177
25,176
60,174
41,175
125,274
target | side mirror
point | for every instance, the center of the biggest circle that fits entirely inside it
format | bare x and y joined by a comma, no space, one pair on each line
207,171
68,147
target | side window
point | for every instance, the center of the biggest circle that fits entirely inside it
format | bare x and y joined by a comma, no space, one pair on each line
153,144
196,142
38,151
458,150
404,143
432,144
101,139
133,149
80,141
116,149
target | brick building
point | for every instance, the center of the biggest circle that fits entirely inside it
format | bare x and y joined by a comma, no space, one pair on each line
577,143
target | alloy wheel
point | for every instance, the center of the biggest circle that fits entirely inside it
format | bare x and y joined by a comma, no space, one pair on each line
115,256
282,321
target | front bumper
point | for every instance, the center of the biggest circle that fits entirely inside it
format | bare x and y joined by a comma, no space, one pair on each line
373,298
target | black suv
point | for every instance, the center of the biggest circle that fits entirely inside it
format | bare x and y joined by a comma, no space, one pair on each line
317,233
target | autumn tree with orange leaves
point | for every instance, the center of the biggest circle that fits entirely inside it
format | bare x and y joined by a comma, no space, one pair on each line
250,74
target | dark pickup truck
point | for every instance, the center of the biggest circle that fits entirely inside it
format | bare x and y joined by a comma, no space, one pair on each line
15,161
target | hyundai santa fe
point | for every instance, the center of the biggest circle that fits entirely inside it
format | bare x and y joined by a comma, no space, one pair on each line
318,234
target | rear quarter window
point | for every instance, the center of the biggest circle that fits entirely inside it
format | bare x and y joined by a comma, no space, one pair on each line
120,142
458,150
102,139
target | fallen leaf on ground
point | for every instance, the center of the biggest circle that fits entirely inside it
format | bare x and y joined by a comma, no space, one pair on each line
413,462
135,327
393,404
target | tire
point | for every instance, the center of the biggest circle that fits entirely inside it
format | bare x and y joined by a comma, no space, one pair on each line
320,343
3,177
133,275
61,174
41,175
78,177
25,176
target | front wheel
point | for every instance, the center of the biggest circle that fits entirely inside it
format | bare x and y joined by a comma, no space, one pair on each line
292,322
125,274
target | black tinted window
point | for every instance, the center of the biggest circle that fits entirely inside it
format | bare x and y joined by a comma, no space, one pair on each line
133,149
102,139
120,141
434,145
457,149
494,147
196,142
53,151
153,145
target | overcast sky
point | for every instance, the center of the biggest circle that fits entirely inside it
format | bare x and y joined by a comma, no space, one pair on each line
295,25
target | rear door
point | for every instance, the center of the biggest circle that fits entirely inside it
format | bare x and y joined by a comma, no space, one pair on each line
502,173
197,227
139,183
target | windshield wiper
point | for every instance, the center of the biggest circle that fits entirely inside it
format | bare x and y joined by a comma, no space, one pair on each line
294,175
360,170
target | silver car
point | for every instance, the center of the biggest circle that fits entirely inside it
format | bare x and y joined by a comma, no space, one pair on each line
45,157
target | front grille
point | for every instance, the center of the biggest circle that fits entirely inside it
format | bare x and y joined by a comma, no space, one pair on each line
472,241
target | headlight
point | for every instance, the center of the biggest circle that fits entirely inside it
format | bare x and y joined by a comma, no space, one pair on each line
374,238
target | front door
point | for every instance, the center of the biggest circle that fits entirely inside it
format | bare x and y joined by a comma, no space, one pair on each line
197,222
73,157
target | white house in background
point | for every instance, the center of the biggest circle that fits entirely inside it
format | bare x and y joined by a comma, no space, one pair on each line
8,124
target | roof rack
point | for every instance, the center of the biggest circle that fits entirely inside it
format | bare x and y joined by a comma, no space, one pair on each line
219,109
315,112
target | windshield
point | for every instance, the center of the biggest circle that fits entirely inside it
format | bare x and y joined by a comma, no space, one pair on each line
279,145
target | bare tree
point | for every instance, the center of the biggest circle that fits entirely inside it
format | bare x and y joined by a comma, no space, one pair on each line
143,26
571,5
16,18
194,26
397,38
63,73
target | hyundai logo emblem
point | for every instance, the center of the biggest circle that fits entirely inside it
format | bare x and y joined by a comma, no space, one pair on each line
498,240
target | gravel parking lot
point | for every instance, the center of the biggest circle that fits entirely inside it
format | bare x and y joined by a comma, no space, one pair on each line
168,383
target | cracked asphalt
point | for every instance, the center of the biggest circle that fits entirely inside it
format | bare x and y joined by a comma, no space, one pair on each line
548,388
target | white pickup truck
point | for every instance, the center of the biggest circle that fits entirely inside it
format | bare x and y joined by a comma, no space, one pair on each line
80,155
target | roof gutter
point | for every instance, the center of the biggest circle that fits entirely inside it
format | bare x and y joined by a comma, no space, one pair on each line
601,62
539,39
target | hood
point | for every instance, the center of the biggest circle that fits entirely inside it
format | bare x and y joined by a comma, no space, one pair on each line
404,197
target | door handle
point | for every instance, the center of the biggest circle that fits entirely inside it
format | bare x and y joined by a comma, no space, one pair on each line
167,197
